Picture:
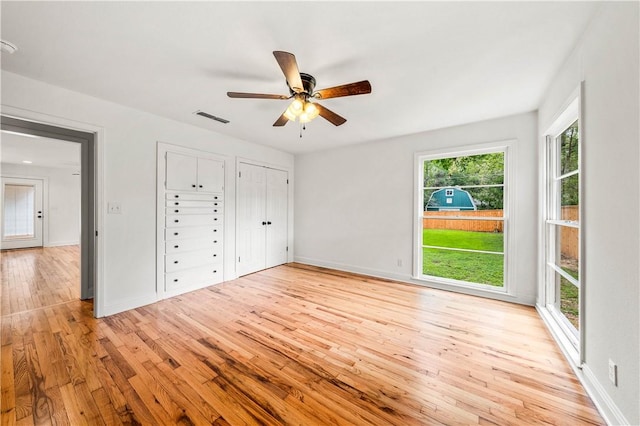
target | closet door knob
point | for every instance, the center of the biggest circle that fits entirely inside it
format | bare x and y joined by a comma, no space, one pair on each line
193,186
264,223
268,223
199,186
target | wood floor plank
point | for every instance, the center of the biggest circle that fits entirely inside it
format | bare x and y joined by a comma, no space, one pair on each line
290,345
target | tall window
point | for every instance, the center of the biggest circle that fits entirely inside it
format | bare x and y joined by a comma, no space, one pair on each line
462,214
563,228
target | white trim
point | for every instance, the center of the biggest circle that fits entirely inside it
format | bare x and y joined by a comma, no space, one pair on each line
408,279
599,396
63,243
508,147
570,111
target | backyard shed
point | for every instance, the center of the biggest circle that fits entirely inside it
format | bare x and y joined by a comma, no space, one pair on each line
450,199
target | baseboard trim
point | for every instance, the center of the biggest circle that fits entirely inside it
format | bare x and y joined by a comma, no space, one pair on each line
127,305
63,243
408,279
601,399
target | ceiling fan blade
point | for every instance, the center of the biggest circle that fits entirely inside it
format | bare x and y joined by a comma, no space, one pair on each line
281,121
255,95
330,116
359,88
289,66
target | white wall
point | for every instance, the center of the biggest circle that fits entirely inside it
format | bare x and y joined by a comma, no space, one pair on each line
354,205
127,173
62,211
607,58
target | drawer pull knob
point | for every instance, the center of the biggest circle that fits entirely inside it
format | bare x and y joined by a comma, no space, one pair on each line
215,242
175,233
176,246
215,218
175,261
176,196
215,211
199,186
176,221
193,186
177,211
269,223
175,280
215,255
176,203
264,223
215,271
215,198
215,230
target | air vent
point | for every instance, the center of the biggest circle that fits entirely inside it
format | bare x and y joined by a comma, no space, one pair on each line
211,117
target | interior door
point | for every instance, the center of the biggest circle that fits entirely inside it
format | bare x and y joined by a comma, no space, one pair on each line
276,214
22,213
250,219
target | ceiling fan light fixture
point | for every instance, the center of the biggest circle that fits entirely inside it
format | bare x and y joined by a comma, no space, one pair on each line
311,110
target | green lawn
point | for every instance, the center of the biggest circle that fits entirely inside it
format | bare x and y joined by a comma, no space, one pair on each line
480,268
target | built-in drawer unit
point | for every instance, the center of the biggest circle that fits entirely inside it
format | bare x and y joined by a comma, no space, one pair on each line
191,214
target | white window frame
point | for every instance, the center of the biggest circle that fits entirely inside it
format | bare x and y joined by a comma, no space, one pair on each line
570,342
508,148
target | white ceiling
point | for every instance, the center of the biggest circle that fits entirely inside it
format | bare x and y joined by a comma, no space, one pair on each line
431,64
43,152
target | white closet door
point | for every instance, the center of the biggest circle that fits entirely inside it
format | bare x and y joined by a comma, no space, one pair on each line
181,172
22,213
250,216
276,213
210,175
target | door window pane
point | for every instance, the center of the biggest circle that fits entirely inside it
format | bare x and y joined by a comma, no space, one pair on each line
19,217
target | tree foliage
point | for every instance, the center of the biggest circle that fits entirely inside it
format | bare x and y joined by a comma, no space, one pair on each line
465,173
568,152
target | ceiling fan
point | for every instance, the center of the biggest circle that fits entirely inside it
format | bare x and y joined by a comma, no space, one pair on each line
301,89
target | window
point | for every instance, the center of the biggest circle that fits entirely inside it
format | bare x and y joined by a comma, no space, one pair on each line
462,218
19,211
562,224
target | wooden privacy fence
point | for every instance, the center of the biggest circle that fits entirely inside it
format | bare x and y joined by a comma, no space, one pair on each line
465,224
569,236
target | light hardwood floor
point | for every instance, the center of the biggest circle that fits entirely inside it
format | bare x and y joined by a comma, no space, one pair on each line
290,345
37,277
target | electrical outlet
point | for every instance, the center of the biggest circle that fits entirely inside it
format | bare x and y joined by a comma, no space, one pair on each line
613,373
114,208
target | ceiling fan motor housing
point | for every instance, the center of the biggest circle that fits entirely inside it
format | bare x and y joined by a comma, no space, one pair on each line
308,83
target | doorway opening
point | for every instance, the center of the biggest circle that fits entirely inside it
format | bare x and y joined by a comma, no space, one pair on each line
48,214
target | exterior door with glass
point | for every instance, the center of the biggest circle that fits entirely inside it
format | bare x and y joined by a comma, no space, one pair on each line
22,213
